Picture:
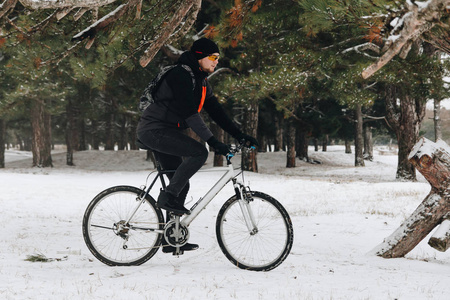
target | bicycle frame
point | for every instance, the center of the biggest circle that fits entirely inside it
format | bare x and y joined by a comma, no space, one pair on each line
228,175
207,198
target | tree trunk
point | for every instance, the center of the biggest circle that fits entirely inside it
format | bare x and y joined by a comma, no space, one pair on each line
316,144
348,146
47,141
81,133
2,142
70,133
368,143
95,135
133,127
278,132
290,155
405,119
301,147
109,132
123,139
262,140
325,143
433,161
437,120
219,134
359,157
41,141
249,162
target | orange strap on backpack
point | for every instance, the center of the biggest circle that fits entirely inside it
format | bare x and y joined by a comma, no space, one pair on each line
202,101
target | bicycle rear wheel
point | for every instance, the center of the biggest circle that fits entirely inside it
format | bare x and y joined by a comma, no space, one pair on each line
112,239
264,247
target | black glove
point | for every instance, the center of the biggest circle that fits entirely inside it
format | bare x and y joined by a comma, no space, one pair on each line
220,148
249,140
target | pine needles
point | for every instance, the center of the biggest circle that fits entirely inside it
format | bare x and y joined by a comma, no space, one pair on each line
42,258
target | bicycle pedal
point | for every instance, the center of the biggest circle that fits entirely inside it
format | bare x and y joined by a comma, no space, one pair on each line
177,253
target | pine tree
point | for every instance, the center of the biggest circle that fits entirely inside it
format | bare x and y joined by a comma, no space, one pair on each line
354,33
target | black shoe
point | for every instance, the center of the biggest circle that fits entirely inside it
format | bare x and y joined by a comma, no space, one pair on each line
187,247
169,202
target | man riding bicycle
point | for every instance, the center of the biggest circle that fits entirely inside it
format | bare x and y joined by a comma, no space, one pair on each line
178,102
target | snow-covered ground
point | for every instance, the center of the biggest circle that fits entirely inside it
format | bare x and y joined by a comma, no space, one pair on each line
339,212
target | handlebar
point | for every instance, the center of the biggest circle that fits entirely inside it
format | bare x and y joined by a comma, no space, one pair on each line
235,150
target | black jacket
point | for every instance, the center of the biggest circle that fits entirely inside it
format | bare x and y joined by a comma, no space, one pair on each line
177,102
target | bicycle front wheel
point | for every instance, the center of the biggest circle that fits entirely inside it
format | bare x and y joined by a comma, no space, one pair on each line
258,245
116,239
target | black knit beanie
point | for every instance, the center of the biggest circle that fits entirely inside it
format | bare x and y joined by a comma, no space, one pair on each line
203,48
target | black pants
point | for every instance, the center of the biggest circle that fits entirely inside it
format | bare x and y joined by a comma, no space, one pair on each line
176,151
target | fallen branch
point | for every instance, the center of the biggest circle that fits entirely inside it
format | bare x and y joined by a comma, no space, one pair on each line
433,161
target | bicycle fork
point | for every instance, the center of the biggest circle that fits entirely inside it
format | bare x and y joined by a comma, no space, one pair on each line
244,198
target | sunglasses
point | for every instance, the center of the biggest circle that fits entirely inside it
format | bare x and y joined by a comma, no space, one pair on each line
210,57
213,57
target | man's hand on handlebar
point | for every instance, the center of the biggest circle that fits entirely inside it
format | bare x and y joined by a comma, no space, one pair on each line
247,140
219,147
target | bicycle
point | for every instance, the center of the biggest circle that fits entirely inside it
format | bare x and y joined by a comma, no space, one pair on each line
123,226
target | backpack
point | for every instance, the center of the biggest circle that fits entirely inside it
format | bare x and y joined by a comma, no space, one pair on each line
147,97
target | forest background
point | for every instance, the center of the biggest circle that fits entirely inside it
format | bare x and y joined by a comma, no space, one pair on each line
289,73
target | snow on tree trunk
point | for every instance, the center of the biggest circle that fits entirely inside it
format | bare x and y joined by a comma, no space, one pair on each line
441,238
437,120
433,161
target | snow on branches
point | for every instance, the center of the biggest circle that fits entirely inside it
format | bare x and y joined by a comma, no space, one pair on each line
419,18
176,25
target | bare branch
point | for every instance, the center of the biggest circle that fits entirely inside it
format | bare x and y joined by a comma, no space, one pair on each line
46,4
106,20
171,52
57,60
63,12
166,32
139,10
220,71
366,46
90,42
189,21
7,6
79,13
